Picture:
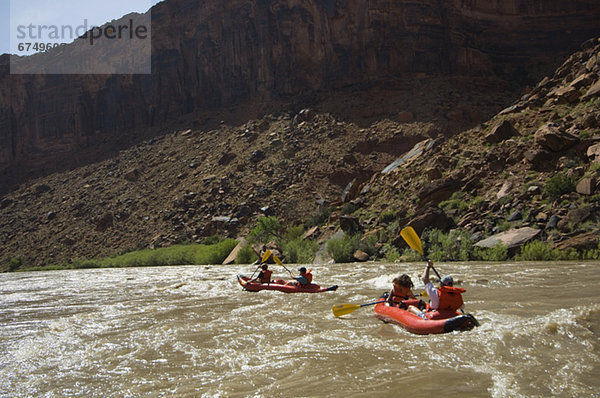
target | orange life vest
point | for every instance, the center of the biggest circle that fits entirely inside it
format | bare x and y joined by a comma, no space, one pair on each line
308,276
450,298
397,298
265,276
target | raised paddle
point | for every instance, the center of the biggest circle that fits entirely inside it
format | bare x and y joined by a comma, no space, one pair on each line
412,239
345,309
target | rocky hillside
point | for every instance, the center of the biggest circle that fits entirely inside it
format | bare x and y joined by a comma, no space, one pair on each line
192,183
532,171
212,54
436,153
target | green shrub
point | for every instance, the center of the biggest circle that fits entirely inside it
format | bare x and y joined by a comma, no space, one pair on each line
455,204
453,246
387,216
266,230
14,264
391,231
558,185
173,255
246,255
348,208
593,254
319,217
541,251
496,253
212,240
368,244
342,249
294,232
410,256
477,201
391,253
300,251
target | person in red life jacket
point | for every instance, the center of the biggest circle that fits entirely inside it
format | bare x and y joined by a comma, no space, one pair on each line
401,290
304,279
445,298
264,276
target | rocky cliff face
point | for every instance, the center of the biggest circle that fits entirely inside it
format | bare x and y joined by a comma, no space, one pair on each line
212,53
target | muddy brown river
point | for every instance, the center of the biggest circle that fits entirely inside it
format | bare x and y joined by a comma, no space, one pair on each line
192,332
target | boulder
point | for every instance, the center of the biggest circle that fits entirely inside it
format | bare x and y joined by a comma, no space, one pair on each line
305,115
584,241
432,218
575,217
311,233
593,153
504,190
553,222
582,81
132,175
592,92
104,222
414,153
586,186
501,132
360,255
539,158
438,191
567,95
550,137
511,239
515,216
351,191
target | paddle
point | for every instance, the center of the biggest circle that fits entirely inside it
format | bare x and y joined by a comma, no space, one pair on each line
278,261
345,309
412,239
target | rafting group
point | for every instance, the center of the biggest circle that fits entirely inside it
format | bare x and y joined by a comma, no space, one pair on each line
444,311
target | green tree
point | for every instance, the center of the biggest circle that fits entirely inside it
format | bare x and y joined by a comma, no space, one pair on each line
266,230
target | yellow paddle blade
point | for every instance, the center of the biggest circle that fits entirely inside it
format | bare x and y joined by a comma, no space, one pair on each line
412,239
424,294
344,309
266,256
277,260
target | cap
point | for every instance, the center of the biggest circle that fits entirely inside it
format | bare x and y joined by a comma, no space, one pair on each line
302,269
447,280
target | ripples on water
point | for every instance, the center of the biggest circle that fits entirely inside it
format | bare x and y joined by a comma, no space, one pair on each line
192,331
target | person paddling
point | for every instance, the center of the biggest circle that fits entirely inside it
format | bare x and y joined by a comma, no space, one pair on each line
304,279
445,298
401,290
264,276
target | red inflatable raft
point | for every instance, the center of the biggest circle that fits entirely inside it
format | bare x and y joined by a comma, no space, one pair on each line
436,322
282,287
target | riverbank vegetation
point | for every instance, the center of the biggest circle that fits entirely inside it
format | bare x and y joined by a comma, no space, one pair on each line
455,245
213,252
